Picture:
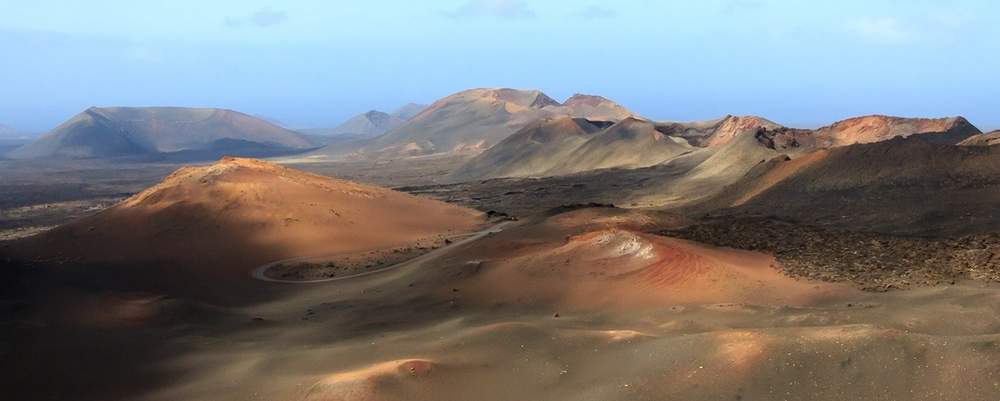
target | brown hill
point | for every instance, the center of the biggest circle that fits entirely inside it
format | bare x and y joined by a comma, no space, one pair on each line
704,173
130,131
732,126
877,128
474,120
240,212
536,149
686,174
987,139
596,108
564,146
590,259
631,143
716,132
366,125
904,186
408,111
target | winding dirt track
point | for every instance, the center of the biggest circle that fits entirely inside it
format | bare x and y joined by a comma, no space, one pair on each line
259,272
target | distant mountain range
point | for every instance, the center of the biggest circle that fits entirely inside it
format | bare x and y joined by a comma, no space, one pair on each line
504,133
473,120
6,131
143,131
565,146
370,124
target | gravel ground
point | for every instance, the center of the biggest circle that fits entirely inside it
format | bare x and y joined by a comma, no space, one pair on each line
872,261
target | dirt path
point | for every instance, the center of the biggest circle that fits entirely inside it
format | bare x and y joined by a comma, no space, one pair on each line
259,272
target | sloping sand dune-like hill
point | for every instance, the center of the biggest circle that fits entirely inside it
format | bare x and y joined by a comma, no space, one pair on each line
593,258
879,128
631,143
367,125
987,139
130,131
238,212
535,149
904,185
596,108
564,146
474,120
408,111
716,132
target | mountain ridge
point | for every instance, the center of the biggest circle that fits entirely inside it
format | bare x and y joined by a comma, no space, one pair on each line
100,132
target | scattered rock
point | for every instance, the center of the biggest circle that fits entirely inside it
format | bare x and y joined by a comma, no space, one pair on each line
873,261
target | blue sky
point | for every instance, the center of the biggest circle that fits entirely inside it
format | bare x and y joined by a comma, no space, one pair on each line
315,63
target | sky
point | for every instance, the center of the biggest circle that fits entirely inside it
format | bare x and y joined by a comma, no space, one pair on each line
316,63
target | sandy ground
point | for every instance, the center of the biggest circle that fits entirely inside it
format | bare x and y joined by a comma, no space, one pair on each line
676,320
346,266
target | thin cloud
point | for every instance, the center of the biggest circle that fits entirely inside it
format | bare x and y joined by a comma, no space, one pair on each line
597,12
268,17
503,9
887,30
263,18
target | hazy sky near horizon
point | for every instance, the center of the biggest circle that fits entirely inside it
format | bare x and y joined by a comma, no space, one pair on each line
315,63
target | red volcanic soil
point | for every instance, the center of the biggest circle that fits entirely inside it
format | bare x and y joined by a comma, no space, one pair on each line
736,125
237,213
988,139
877,128
614,264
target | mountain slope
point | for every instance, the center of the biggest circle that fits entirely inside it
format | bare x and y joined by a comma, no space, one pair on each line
906,186
238,212
877,128
631,143
408,111
127,131
367,125
6,131
596,108
716,132
987,139
474,120
563,145
535,149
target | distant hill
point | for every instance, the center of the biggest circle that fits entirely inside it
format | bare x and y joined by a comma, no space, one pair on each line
595,108
729,163
408,111
365,125
135,131
645,144
630,143
536,149
716,132
987,139
476,119
877,128
6,131
11,139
